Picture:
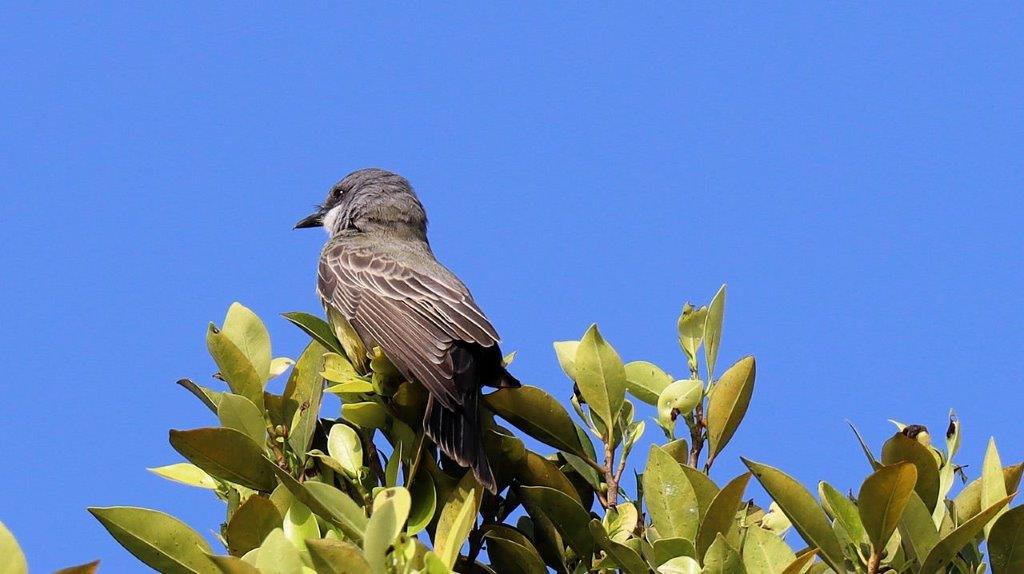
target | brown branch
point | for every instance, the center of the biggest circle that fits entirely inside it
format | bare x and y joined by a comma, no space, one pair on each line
697,435
609,476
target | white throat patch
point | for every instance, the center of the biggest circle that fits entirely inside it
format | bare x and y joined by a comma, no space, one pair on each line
331,219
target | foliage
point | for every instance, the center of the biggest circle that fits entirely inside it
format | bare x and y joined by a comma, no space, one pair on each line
366,492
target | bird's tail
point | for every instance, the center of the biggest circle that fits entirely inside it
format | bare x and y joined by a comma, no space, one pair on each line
459,436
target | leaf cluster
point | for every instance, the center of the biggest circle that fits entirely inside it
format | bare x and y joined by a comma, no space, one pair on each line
364,490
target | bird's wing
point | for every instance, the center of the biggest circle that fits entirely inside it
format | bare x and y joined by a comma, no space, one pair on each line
414,310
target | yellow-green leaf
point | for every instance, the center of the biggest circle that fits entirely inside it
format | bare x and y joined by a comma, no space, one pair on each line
277,555
763,551
949,545
569,517
993,487
241,349
315,327
159,540
186,473
226,454
721,515
601,377
713,330
798,504
328,503
390,511
843,511
566,353
882,499
345,447
623,556
728,404
722,558
457,518
12,559
250,524
513,553
538,414
671,500
332,556
239,413
917,528
1006,542
646,381
901,448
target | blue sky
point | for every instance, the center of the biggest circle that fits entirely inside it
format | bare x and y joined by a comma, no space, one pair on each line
852,172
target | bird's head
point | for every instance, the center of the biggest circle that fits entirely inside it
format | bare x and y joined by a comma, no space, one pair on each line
370,199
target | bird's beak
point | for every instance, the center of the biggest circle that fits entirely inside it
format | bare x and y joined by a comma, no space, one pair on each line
315,220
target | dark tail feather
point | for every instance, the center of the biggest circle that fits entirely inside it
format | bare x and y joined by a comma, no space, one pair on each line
458,435
506,380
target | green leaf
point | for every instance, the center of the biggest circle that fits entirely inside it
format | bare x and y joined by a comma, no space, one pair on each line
328,503
703,487
209,397
801,562
226,454
721,515
511,552
538,414
424,503
798,504
624,556
303,394
566,353
89,568
691,332
844,511
317,328
646,381
765,552
569,517
12,559
620,521
250,524
535,470
365,415
300,525
233,565
665,549
159,540
680,397
345,447
332,556
239,413
949,545
722,558
241,349
601,377
917,528
1006,542
882,499
728,404
457,518
186,473
993,487
390,511
680,565
901,448
671,500
713,330
277,555
968,502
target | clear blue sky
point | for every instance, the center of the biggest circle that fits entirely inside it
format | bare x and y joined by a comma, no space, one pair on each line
853,173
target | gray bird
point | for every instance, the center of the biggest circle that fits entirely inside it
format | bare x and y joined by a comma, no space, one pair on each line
382,287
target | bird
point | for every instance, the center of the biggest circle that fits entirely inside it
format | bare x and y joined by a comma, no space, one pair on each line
382,286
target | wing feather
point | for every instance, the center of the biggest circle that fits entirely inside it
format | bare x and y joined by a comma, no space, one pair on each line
411,306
